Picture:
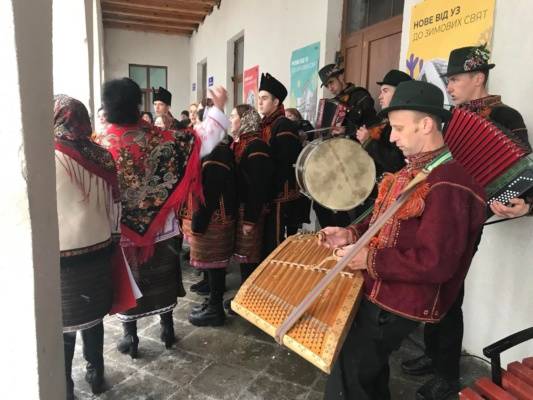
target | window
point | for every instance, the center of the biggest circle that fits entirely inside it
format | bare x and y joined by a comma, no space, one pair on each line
148,77
238,67
363,13
201,78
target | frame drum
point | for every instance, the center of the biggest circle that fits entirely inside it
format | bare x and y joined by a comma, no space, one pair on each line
336,173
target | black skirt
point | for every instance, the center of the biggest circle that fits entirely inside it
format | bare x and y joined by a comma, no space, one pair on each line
86,288
158,281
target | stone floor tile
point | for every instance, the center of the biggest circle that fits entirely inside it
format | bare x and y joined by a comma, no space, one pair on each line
264,387
188,393
218,345
320,382
177,366
141,386
314,395
291,367
222,381
149,350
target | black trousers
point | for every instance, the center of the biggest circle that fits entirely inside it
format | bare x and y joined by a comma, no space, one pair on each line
275,229
444,340
93,350
362,370
216,278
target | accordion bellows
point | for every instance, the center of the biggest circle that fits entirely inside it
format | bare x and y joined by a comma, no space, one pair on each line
282,281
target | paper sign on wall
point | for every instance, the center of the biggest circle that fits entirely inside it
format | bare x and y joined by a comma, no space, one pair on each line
439,26
304,80
250,86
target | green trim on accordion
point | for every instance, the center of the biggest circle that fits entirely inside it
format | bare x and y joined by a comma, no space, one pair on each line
509,176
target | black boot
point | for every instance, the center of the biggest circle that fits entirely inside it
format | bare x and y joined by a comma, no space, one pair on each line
167,329
69,344
418,366
202,287
200,307
438,388
213,314
93,350
129,343
227,306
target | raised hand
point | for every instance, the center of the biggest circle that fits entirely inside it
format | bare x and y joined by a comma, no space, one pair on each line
219,95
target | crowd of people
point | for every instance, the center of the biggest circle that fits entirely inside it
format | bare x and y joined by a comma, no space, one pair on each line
130,194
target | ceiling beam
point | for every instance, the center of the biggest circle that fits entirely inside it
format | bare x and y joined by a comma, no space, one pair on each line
171,22
147,27
183,6
137,12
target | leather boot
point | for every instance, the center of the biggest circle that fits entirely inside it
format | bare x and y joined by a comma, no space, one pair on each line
167,335
93,352
438,388
129,343
200,307
212,315
418,366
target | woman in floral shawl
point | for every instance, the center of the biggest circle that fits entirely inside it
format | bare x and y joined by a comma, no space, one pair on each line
157,169
85,185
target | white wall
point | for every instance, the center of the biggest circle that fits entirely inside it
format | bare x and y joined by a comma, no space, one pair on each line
32,356
272,30
122,47
499,286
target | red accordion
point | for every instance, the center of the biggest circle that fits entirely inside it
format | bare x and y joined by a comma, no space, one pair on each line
330,113
499,163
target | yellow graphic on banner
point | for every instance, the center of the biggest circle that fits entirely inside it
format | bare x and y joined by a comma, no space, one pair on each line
439,26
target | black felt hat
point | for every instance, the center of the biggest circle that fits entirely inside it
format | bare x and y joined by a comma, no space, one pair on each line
468,59
273,86
329,71
394,78
418,96
163,95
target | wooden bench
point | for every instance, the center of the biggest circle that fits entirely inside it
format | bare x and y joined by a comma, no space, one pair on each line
515,383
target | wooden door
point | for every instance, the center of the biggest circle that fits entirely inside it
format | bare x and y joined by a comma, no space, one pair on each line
371,52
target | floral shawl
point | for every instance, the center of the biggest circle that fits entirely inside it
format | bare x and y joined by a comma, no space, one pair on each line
156,171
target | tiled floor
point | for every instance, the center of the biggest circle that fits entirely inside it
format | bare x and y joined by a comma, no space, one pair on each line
236,361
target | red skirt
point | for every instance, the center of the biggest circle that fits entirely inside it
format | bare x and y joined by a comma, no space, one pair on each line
249,248
212,249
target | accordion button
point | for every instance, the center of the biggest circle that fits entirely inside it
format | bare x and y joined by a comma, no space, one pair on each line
426,312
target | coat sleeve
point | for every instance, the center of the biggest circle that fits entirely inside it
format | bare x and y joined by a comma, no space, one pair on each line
285,146
258,172
450,224
214,176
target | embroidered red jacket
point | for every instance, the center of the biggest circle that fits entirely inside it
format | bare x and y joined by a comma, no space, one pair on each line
417,264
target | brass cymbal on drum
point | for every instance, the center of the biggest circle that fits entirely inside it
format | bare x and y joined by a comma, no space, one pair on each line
336,173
